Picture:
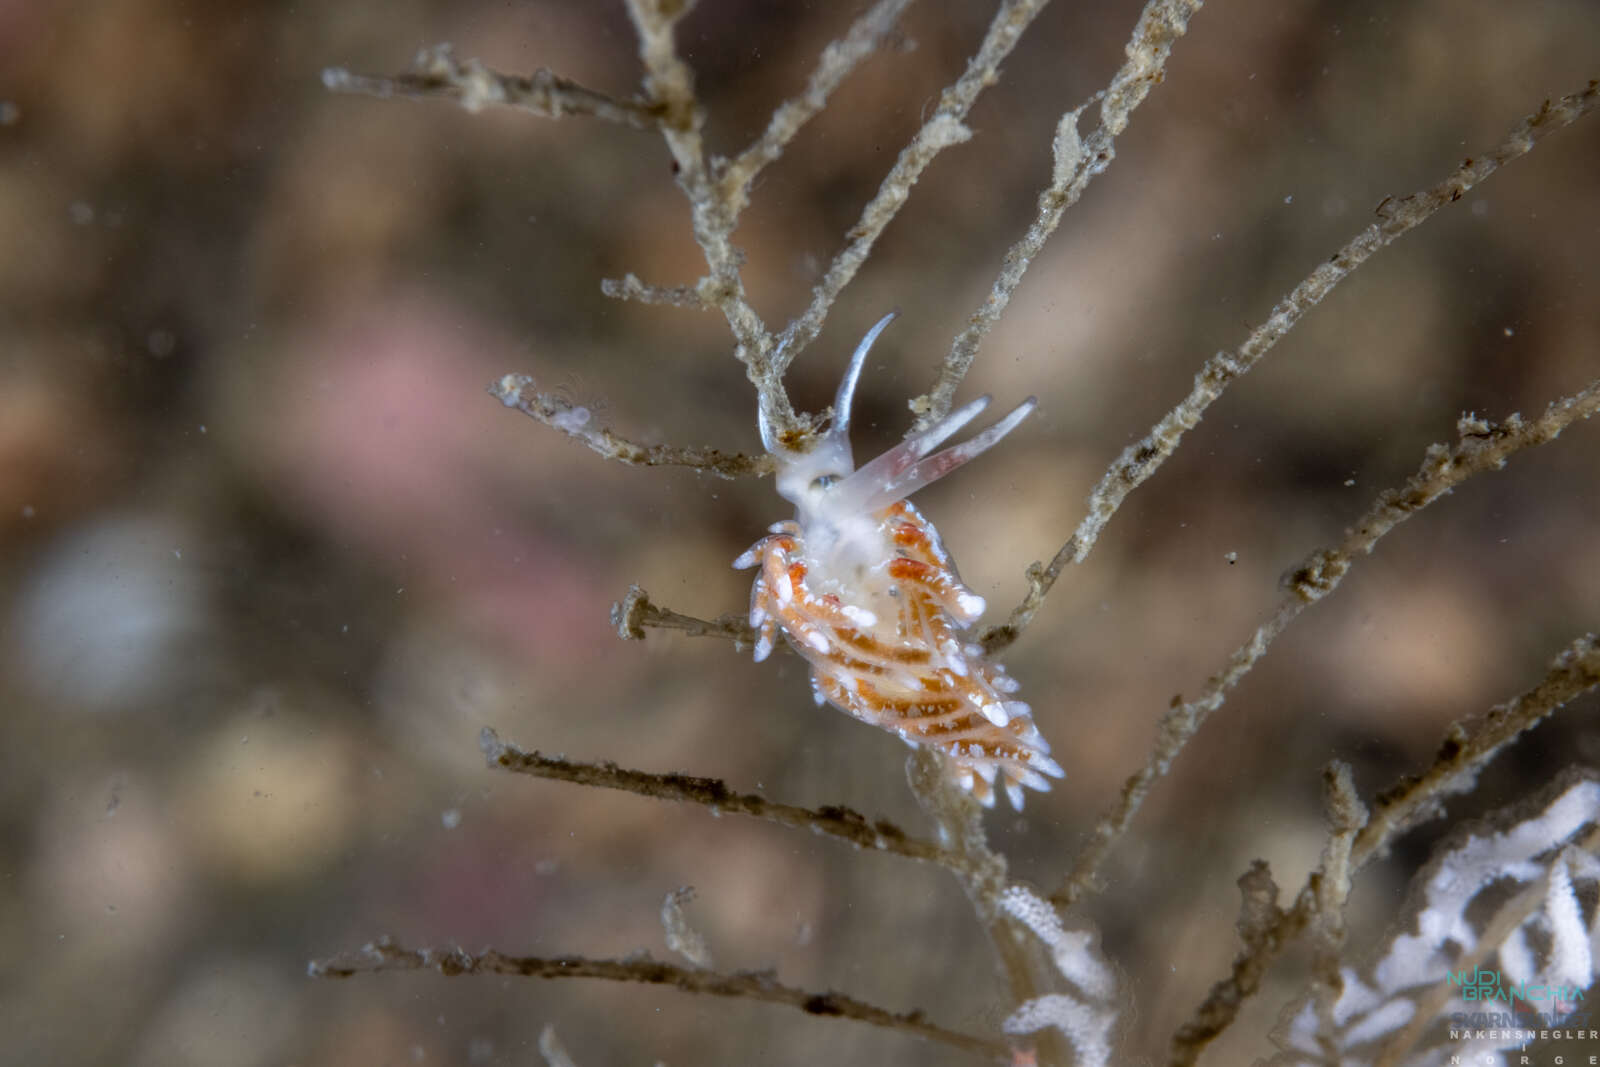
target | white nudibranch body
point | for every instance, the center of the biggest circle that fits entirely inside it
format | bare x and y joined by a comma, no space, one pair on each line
860,585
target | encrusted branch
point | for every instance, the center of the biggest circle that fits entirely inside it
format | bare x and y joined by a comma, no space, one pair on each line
837,61
1265,929
1077,161
959,820
435,73
670,84
1395,218
718,192
518,391
669,81
1331,882
637,612
1482,446
851,826
385,955
629,287
1466,750
943,129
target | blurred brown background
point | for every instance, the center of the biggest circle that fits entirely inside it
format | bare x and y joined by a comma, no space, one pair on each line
272,558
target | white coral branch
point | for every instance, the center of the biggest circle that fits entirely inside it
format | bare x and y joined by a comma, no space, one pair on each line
1087,1026
1072,950
1450,964
1085,1019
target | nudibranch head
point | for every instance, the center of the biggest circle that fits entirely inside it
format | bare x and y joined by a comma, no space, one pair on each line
826,487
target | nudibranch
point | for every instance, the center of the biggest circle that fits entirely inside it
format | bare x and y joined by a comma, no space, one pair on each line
861,586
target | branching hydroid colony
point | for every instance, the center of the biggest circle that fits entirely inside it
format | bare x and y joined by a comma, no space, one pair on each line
860,586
